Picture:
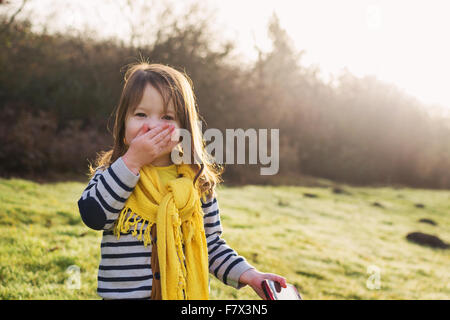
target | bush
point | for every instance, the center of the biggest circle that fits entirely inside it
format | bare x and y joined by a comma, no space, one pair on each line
32,143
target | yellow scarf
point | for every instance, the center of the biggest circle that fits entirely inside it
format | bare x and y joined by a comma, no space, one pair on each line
177,212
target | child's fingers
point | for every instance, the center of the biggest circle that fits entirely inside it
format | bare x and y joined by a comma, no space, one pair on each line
168,142
175,135
163,134
155,131
281,280
142,130
165,143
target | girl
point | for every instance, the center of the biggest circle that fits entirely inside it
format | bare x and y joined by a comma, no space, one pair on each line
160,220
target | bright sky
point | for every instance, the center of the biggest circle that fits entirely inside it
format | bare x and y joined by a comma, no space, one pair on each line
401,42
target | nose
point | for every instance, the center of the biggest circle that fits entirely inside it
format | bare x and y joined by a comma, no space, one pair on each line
153,123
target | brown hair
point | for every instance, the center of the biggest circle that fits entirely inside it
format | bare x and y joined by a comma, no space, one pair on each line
173,86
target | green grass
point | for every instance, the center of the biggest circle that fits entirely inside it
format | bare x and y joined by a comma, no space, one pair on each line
324,245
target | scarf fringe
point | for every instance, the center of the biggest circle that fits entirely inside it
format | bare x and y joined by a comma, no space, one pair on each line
123,225
182,273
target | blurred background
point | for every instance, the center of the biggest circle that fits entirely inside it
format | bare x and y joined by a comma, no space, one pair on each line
358,89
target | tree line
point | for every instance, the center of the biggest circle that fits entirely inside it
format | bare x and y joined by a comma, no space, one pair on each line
58,92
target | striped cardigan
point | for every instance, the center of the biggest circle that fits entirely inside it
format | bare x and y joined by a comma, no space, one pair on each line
125,266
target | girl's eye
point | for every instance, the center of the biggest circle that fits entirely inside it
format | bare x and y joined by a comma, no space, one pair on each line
140,114
168,117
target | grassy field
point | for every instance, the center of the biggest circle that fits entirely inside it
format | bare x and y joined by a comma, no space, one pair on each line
322,241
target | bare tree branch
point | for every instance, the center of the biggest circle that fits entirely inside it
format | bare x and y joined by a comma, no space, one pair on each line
13,17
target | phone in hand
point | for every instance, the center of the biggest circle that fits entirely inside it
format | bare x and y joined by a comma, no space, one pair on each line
274,291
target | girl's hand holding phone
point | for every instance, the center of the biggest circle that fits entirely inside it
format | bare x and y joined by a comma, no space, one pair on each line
254,279
148,145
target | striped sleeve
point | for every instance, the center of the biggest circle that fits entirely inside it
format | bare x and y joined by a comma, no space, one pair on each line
224,263
106,194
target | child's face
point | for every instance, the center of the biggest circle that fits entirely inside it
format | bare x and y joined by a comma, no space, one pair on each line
151,111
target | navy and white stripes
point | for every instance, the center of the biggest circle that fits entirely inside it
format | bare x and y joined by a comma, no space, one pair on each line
125,266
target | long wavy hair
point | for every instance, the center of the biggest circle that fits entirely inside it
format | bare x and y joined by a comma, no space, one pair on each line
173,86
